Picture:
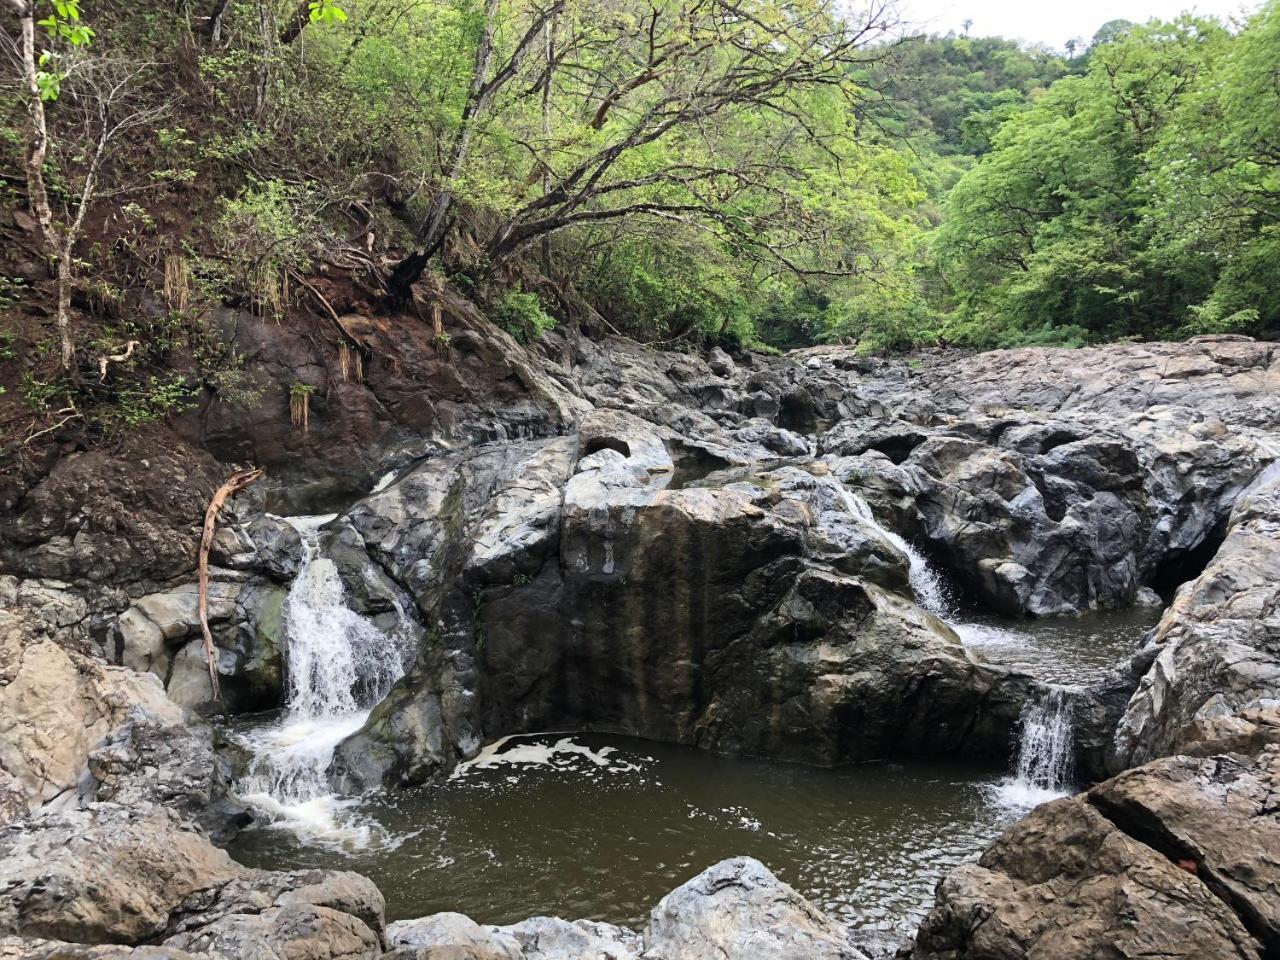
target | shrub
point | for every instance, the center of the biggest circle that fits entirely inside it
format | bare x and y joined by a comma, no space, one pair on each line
522,316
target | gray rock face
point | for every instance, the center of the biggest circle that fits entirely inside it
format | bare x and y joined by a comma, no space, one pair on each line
739,911
583,588
1216,674
1174,859
107,874
160,634
56,707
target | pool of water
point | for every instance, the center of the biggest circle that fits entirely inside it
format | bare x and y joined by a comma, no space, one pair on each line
1077,650
601,827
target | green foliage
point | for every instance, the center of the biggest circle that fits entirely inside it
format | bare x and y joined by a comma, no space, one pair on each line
522,316
62,23
152,399
266,232
1133,201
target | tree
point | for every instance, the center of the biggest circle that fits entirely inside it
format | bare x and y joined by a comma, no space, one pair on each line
1048,235
98,107
713,113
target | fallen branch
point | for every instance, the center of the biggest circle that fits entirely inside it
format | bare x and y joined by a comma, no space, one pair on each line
333,314
103,362
74,414
235,483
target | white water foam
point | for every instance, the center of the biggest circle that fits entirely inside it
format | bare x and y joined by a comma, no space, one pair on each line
339,664
1045,750
509,751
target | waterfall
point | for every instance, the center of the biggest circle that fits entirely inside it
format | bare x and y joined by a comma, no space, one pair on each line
926,583
339,664
1045,752
1046,742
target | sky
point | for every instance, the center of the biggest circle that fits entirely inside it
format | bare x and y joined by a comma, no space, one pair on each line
1053,22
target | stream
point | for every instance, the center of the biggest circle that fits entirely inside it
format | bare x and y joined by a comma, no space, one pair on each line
601,827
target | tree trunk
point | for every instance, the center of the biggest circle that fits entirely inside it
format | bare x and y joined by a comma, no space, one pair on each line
68,346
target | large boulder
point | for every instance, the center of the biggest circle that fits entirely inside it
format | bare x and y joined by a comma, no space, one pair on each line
578,586
1174,859
738,910
56,706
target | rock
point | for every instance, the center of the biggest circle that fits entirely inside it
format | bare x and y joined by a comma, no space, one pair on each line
104,874
24,948
1214,817
738,910
1218,659
309,914
453,935
160,633
55,708
550,938
1065,883
457,937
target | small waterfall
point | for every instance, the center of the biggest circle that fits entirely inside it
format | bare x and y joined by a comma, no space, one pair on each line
1047,742
1045,769
339,664
926,583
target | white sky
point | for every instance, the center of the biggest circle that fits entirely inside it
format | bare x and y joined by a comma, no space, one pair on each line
1053,23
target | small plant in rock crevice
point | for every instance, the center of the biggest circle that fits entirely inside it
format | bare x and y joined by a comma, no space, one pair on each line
300,405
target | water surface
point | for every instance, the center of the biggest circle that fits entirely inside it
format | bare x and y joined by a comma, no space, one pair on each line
601,827
1071,651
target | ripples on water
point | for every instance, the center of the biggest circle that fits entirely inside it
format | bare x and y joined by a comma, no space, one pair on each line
1072,651
602,827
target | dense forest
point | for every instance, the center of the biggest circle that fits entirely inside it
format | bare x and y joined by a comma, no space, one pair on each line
738,171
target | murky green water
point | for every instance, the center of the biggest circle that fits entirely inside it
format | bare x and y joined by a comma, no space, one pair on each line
602,827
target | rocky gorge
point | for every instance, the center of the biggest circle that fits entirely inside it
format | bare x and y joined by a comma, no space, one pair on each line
726,552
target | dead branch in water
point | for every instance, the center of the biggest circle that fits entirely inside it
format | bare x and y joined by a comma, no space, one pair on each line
235,483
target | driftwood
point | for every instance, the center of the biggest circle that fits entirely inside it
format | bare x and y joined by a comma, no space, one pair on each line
235,483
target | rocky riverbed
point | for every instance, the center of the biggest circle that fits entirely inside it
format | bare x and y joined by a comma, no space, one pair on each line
771,557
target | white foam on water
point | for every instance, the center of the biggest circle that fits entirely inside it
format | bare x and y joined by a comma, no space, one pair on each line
339,664
1045,769
559,755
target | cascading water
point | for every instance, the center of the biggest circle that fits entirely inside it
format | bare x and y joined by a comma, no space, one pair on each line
926,583
339,664
1046,743
1045,751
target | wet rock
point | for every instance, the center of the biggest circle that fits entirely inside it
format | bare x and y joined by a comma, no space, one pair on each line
738,910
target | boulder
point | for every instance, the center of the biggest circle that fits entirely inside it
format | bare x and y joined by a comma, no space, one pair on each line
1177,858
160,633
738,910
1067,883
56,706
105,874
